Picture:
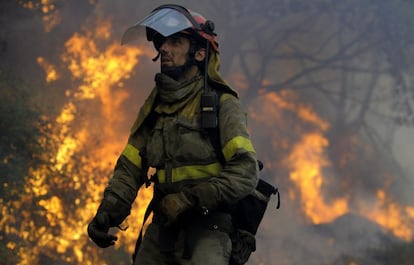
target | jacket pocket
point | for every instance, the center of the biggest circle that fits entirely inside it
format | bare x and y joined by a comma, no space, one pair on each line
155,146
192,145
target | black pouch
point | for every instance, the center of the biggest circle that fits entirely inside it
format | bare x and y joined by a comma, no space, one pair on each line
249,211
247,215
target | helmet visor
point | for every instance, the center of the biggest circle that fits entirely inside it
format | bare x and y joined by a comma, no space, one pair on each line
166,21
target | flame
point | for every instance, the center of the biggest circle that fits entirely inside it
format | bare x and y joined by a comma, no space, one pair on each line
99,72
50,14
70,143
61,195
392,216
308,163
50,69
305,144
77,167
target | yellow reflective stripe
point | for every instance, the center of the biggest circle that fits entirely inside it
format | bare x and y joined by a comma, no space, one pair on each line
238,142
132,153
190,172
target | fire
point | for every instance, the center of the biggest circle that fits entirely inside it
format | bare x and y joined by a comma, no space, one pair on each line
60,196
98,73
50,14
83,143
49,68
392,216
306,162
305,144
70,143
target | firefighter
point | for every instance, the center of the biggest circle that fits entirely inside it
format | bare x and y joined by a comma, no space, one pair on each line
194,183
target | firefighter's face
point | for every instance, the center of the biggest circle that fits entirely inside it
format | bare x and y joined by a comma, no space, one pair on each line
178,58
174,51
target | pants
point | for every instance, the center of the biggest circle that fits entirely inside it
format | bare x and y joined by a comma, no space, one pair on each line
213,248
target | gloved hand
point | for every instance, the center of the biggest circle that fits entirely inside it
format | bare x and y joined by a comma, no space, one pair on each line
174,204
98,230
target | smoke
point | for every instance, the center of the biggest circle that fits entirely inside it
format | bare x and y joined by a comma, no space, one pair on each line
351,191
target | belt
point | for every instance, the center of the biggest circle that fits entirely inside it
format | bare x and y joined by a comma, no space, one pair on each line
191,225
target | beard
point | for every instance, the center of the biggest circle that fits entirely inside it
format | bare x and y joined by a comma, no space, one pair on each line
175,72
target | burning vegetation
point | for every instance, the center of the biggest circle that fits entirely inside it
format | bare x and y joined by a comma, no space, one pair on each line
47,221
43,217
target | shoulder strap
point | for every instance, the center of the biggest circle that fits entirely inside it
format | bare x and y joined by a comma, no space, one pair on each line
213,133
150,121
139,240
214,136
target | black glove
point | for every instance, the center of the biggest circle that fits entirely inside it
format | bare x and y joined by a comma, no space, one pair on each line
116,209
98,230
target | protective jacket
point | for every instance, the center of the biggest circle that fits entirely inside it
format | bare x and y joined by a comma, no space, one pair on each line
176,145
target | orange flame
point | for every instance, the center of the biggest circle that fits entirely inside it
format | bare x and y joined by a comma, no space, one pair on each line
307,160
80,165
50,69
99,72
392,216
50,14
76,164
